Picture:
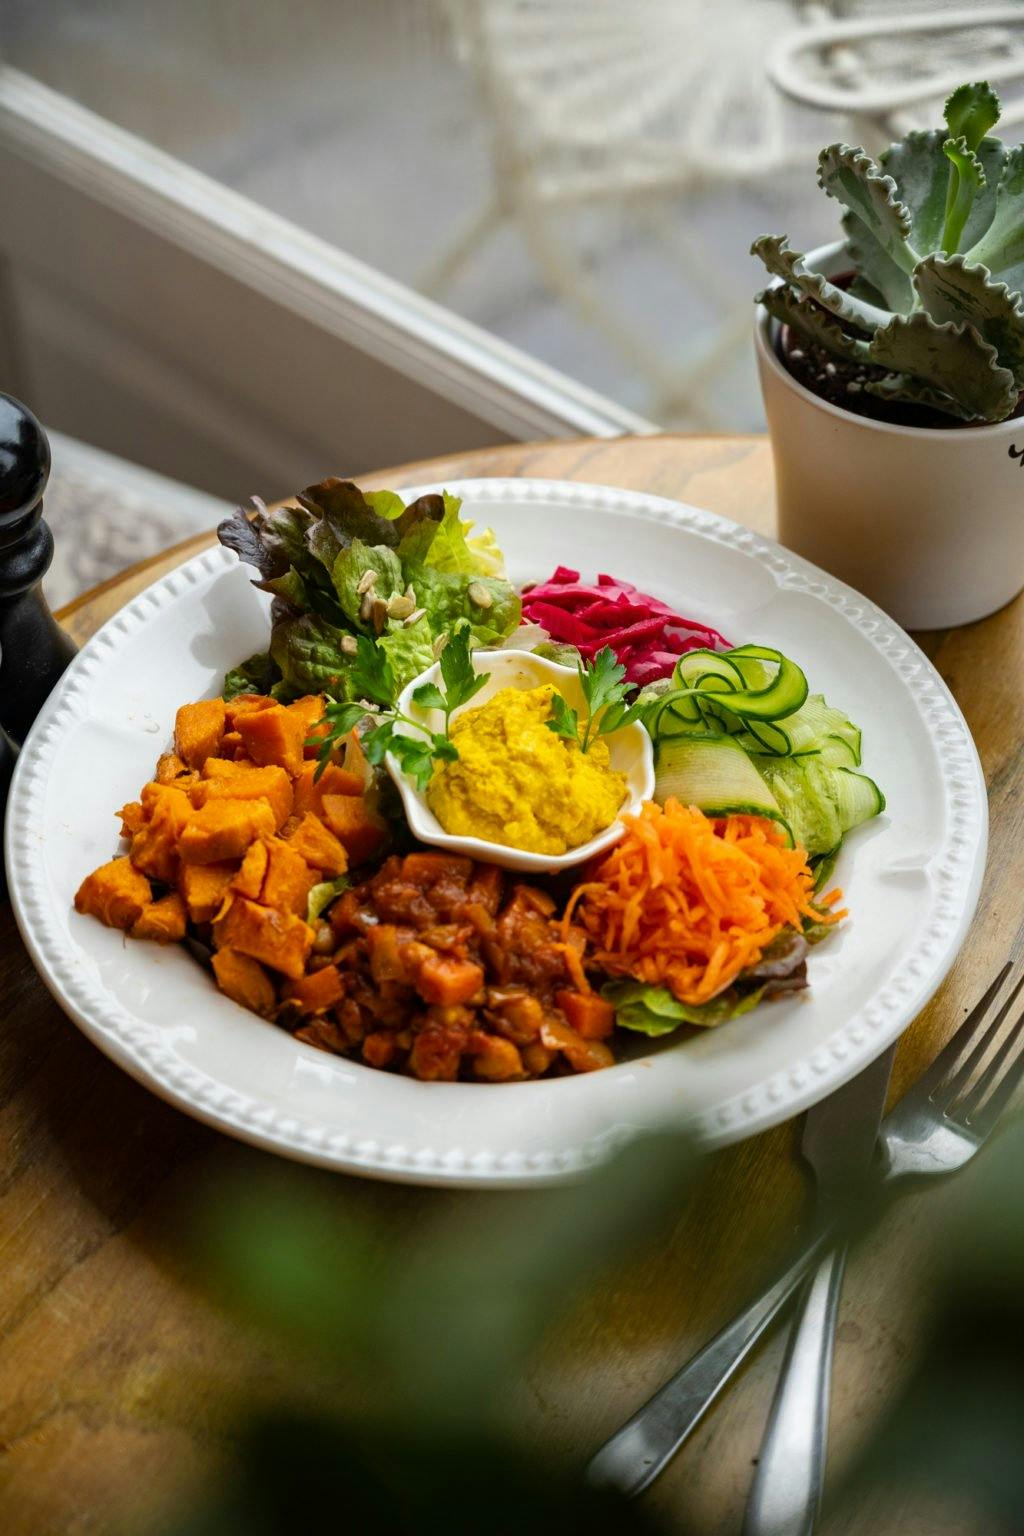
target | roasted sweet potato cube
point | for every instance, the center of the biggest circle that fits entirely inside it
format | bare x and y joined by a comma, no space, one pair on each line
310,791
319,847
447,981
244,980
245,703
274,736
155,846
225,768
360,833
169,767
132,816
198,729
355,760
318,991
162,920
310,710
116,893
288,880
589,1015
249,879
270,784
204,887
277,939
173,797
223,829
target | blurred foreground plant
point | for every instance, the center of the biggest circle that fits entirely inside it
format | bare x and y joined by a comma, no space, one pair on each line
413,1355
417,1352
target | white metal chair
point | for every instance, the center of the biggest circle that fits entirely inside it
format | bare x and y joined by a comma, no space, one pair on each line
599,103
891,73
596,103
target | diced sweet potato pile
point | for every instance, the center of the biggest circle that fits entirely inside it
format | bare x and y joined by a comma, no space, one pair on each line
229,838
430,965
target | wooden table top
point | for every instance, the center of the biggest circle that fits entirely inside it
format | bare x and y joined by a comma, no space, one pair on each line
107,1350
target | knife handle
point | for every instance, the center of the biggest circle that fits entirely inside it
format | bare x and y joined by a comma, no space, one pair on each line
786,1492
643,1447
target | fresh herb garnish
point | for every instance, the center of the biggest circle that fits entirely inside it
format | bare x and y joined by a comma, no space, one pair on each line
372,675
606,691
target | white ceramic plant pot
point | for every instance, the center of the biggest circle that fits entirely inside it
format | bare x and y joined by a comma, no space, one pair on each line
929,522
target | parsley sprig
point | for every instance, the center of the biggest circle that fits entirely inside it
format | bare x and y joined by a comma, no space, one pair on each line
606,691
373,677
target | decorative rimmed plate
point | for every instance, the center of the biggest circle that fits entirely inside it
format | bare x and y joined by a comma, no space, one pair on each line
911,878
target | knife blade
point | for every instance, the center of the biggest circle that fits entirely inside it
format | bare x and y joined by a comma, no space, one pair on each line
840,1132
638,1452
839,1141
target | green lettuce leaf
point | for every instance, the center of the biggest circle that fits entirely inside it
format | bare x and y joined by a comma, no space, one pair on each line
256,675
386,504
321,896
445,596
308,653
449,544
409,649
351,566
564,655
654,1011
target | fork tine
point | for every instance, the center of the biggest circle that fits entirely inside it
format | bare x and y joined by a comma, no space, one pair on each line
960,1081
979,1112
936,1075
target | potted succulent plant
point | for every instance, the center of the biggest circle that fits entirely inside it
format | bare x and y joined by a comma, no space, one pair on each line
892,367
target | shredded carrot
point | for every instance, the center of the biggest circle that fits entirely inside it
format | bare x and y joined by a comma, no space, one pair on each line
686,902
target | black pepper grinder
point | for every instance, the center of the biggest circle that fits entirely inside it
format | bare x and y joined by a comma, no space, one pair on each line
34,650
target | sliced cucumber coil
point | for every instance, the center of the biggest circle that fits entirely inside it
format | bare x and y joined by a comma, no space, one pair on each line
737,732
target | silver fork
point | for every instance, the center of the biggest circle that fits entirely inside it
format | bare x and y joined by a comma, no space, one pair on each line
936,1128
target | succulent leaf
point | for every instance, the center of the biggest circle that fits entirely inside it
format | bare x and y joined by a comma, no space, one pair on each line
812,322
922,174
791,266
951,288
853,179
878,275
971,111
966,180
910,391
953,358
1001,246
946,328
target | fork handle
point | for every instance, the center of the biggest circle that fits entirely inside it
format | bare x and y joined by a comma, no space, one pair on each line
638,1452
786,1491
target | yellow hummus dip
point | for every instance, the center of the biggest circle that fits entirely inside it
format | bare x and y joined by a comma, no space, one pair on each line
518,783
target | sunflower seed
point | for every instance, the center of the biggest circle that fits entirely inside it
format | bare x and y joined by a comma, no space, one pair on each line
379,615
439,645
349,645
366,607
401,607
414,618
479,595
366,581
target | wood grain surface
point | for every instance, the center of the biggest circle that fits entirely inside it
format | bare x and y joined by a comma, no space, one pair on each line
112,1361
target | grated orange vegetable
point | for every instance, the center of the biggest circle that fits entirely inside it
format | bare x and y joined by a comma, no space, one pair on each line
687,903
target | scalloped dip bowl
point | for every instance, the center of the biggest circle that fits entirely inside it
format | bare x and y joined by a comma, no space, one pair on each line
630,749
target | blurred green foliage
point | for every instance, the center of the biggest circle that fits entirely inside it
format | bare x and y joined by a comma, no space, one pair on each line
410,1355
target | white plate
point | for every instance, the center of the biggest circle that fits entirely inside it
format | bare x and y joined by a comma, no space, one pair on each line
911,878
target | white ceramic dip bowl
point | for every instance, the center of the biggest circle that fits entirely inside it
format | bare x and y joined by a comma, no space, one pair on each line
629,748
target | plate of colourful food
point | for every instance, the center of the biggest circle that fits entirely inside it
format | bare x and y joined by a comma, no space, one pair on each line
458,835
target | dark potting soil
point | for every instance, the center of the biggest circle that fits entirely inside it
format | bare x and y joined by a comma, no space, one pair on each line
841,382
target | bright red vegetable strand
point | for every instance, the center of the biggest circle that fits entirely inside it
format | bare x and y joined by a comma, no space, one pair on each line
646,634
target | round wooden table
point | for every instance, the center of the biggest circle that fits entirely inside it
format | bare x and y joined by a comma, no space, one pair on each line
108,1350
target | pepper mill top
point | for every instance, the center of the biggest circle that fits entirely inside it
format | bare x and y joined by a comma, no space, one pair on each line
34,650
24,462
